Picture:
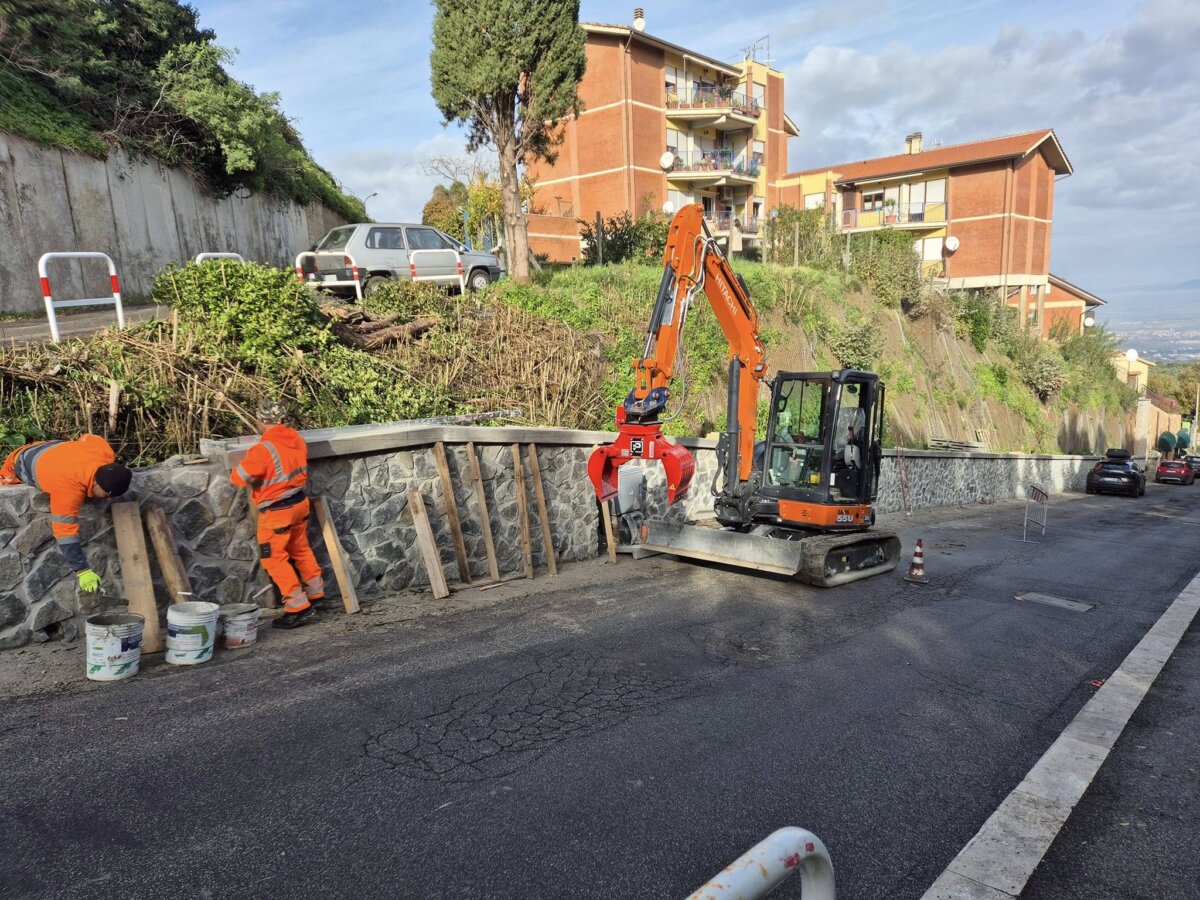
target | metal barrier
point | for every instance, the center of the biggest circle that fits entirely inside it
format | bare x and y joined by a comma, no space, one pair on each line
764,866
201,257
412,268
52,304
355,279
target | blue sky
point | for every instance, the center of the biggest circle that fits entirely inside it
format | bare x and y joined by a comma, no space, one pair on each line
1118,81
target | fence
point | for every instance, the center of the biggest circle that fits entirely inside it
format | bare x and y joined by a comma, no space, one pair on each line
52,304
764,866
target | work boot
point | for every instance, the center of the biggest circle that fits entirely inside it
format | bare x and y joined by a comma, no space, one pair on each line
295,620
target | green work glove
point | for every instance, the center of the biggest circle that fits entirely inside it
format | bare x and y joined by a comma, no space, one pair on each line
89,581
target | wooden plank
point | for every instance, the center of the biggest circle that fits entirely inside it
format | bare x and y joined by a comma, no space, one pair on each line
168,556
485,517
539,493
460,548
341,569
135,572
428,546
523,511
609,536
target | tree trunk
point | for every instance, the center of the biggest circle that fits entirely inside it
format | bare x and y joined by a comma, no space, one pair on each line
515,234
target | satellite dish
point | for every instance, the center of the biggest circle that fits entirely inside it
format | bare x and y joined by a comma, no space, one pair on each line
774,214
1089,321
667,160
668,207
952,244
1131,355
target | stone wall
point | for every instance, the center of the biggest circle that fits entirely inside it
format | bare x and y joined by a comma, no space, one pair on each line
141,213
365,475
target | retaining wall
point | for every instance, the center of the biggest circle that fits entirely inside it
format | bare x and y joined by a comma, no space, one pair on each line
140,212
365,474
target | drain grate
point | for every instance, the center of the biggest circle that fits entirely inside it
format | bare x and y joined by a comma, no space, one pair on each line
1051,600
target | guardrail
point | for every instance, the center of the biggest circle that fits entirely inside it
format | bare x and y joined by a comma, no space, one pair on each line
203,257
52,304
354,281
414,271
764,866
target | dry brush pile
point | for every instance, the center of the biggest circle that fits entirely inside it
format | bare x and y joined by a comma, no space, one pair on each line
240,333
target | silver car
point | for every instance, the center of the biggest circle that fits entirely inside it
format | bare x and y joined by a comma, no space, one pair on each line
383,250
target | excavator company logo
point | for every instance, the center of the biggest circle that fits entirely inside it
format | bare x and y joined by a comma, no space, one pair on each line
636,447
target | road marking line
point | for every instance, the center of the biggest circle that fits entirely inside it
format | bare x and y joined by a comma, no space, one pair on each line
1051,600
998,862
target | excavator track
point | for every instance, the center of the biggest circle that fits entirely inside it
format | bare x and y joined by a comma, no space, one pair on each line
823,560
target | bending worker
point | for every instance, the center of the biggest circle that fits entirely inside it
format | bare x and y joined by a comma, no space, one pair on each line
70,472
276,470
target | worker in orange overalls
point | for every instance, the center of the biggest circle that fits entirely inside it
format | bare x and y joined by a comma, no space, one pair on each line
276,470
70,472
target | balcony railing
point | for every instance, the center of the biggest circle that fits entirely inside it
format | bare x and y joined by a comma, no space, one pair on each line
713,98
900,214
715,161
719,221
750,226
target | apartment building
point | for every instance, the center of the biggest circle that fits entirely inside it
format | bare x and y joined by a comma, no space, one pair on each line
662,124
980,213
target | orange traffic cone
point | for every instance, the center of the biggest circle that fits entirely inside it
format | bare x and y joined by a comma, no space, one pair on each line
916,572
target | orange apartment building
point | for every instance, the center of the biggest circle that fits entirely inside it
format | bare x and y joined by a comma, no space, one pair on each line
981,215
662,124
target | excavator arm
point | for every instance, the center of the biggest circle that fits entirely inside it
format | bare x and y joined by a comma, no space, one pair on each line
692,263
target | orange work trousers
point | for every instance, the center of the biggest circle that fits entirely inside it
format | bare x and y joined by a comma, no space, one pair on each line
283,543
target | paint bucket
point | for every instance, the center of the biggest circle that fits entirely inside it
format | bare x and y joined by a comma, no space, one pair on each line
191,632
114,645
241,624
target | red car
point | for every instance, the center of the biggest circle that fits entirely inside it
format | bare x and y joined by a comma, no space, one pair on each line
1176,470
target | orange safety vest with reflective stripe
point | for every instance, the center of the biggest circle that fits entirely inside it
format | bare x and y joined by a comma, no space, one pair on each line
66,470
275,468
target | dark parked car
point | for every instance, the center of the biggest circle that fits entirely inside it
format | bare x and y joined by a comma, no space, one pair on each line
1193,461
1176,470
1118,475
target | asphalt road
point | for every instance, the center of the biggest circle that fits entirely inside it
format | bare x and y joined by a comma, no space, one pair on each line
625,735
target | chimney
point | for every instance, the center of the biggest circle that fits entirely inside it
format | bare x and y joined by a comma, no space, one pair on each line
912,143
639,19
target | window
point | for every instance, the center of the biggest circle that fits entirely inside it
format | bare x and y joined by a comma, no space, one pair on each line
756,207
671,79
759,148
336,240
931,249
709,203
872,200
385,239
426,239
674,140
935,191
760,94
796,447
678,199
814,201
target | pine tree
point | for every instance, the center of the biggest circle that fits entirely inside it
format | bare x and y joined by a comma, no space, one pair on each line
509,70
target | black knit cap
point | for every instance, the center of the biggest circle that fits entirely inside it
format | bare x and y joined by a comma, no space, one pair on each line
114,479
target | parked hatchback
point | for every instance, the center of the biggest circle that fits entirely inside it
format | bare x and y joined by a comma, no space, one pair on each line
1176,470
1193,461
1117,476
389,250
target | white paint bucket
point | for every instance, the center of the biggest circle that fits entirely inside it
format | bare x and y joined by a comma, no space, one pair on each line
114,645
191,632
241,624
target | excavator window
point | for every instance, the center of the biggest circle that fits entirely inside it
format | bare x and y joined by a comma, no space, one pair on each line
851,442
798,445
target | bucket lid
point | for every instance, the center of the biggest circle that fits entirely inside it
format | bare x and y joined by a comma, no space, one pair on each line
194,608
108,619
233,610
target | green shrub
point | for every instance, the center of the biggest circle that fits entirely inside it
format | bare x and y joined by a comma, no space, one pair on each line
626,239
856,345
805,237
888,266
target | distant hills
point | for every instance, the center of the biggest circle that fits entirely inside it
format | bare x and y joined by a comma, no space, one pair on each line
1161,321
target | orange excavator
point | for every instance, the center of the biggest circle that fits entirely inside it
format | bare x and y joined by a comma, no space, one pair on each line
800,502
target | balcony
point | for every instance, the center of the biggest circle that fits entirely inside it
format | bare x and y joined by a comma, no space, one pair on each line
914,216
724,110
713,168
719,222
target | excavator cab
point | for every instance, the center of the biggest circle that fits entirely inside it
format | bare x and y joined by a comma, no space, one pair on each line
822,450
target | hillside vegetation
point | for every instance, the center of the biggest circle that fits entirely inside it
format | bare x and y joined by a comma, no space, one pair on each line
141,74
558,350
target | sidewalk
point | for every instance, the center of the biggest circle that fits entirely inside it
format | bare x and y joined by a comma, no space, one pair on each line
28,331
1134,833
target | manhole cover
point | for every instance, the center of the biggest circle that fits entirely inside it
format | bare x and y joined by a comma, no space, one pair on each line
1051,600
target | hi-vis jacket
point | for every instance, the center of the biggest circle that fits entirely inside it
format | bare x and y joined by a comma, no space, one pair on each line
275,468
66,470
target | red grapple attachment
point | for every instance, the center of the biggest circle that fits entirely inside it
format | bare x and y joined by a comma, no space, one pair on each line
640,442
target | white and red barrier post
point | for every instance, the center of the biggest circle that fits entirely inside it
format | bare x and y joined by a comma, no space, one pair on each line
52,304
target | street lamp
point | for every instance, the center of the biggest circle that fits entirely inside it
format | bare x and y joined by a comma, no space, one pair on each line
368,197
